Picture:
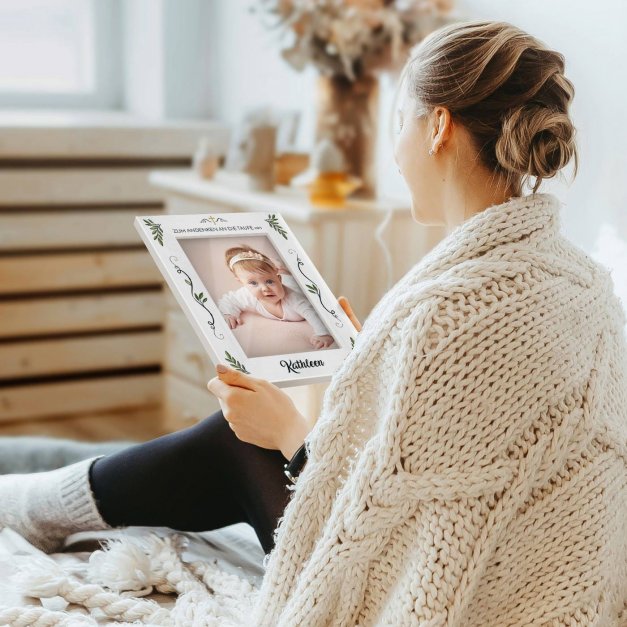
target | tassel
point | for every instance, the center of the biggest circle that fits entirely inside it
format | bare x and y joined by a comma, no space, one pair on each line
123,565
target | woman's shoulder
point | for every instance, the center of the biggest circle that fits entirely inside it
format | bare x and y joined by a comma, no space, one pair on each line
479,294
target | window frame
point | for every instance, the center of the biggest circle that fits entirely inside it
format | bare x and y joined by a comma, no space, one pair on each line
108,78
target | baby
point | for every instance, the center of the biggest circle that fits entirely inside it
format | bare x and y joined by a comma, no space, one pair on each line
268,293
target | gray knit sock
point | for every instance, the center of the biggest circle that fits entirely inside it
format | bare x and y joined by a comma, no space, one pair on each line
46,507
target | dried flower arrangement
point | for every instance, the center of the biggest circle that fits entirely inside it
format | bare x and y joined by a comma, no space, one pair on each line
351,38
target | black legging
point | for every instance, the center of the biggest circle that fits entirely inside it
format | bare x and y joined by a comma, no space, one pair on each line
196,479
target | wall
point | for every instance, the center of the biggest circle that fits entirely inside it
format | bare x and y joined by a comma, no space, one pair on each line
168,58
250,71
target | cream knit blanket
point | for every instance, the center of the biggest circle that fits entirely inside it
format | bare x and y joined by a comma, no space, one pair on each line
469,466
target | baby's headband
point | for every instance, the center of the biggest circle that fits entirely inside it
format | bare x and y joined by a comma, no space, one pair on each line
249,254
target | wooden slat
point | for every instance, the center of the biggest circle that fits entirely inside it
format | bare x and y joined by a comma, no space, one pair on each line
89,134
70,229
80,354
74,397
61,186
186,403
184,354
75,271
139,424
48,316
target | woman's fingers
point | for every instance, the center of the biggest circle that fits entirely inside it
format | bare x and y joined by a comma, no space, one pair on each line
233,377
349,312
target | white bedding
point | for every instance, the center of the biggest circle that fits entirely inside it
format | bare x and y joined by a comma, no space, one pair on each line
236,549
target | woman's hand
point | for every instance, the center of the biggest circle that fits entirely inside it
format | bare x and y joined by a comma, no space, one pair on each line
349,312
259,412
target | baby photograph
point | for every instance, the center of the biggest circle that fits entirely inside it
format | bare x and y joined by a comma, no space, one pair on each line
262,303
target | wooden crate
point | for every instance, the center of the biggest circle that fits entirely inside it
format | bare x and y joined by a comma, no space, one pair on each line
81,302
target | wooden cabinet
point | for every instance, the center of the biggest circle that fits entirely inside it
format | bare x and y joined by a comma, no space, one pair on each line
343,243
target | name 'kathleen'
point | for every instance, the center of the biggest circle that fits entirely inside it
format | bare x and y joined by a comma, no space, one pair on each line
293,366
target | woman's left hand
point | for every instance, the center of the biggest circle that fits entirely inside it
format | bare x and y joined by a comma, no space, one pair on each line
259,412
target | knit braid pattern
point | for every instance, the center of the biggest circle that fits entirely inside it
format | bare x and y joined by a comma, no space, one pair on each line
471,451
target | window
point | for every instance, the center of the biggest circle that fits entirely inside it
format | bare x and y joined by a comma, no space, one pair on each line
59,53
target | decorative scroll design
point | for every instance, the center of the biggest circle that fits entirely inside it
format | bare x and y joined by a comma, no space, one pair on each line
313,288
199,297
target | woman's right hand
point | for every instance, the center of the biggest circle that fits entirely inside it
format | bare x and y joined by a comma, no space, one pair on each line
233,321
349,312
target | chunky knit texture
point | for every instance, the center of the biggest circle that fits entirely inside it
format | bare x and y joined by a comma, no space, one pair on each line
469,466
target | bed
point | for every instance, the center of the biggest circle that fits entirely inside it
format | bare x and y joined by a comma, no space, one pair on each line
234,549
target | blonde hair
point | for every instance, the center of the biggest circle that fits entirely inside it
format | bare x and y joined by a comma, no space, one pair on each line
506,88
264,266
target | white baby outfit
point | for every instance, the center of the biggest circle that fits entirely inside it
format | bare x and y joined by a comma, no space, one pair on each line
295,306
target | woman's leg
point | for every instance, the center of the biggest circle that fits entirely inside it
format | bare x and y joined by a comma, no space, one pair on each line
195,479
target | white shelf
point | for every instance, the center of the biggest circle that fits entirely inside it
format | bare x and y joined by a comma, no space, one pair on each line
291,202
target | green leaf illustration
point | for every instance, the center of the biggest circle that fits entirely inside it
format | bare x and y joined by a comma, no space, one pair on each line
236,364
155,229
273,221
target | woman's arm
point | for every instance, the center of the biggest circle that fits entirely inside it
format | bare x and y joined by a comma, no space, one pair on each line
296,435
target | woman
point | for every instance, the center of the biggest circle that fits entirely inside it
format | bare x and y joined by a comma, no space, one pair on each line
468,465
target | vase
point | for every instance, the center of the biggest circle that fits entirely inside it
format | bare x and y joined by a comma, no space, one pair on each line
346,113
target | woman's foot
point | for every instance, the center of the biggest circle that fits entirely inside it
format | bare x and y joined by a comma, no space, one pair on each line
46,507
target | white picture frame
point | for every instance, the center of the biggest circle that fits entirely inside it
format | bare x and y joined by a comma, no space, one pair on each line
195,254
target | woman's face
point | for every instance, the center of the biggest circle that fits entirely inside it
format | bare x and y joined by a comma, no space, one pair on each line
449,186
416,134
266,287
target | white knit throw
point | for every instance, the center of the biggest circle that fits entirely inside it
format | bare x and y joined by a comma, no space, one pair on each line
469,466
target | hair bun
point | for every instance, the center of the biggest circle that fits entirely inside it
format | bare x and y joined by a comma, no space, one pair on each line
535,140
507,89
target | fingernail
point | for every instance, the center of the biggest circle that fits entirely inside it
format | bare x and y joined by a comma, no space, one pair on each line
221,368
